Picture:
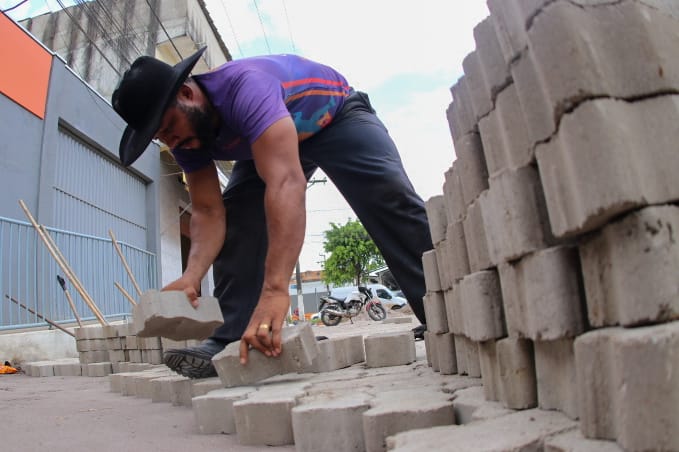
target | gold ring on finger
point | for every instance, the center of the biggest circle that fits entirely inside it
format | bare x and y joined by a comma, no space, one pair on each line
264,326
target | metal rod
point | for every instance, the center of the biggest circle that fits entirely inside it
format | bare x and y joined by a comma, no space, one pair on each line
40,316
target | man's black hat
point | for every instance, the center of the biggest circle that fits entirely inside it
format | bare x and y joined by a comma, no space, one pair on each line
143,95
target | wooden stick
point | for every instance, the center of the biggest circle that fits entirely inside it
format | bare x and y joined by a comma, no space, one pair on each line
125,294
62,283
40,316
78,284
122,258
64,267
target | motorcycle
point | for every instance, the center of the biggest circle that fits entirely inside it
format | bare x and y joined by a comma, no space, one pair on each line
332,309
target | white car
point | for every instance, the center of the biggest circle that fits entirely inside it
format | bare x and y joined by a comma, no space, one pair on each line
388,298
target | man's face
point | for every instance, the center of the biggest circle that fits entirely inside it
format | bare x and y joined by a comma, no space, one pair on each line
187,127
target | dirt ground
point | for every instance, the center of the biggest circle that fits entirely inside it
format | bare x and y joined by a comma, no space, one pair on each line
81,414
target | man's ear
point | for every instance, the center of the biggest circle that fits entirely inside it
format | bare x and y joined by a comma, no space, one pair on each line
186,92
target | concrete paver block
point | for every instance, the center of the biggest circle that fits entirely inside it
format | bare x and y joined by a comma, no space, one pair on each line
481,302
213,411
97,356
435,312
555,374
475,236
398,411
68,369
573,58
630,393
299,348
593,171
389,349
265,420
493,66
330,424
169,314
471,405
480,96
99,369
629,269
453,196
431,271
205,385
542,294
458,265
443,259
506,143
332,354
432,351
473,172
515,215
573,441
490,370
466,353
454,310
436,214
511,20
162,389
463,118
525,430
517,373
445,349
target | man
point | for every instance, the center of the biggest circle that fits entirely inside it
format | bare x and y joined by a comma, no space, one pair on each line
280,117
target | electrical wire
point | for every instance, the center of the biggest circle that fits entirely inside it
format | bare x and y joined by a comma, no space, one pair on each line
14,7
153,11
77,24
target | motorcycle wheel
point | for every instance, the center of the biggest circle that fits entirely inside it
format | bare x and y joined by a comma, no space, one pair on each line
376,311
329,319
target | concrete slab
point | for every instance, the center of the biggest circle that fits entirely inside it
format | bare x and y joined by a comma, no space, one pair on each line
481,303
592,171
169,314
389,349
399,411
330,424
630,268
556,378
473,173
436,214
517,373
542,294
299,348
525,430
435,312
214,411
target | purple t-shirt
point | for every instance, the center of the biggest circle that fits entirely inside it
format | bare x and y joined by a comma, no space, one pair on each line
253,93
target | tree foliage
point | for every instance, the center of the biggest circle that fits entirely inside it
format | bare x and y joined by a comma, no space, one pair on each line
353,254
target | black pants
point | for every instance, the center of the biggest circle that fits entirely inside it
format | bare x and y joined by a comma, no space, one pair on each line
357,154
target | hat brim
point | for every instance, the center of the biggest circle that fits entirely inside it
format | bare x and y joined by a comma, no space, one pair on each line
135,141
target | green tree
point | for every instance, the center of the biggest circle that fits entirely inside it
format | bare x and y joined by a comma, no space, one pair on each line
353,254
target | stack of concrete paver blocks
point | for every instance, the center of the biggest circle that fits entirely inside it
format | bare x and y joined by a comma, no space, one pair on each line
555,253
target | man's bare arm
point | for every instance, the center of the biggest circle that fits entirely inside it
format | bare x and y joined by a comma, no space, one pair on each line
276,155
208,226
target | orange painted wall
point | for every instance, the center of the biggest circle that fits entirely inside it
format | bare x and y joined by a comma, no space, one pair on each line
24,68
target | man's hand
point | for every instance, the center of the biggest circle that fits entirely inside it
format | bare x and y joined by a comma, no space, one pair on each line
264,330
188,286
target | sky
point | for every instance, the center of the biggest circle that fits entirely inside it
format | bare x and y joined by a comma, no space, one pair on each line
404,54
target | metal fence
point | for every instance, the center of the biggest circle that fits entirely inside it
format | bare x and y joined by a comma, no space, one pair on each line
28,275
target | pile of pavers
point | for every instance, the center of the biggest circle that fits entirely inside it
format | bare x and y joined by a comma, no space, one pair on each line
555,270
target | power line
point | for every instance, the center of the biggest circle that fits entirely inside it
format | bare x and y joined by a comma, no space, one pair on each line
287,19
77,24
14,7
261,22
233,30
153,11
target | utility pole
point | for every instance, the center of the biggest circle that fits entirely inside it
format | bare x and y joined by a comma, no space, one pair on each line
298,274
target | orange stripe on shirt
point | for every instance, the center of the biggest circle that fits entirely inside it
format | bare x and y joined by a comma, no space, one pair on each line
312,80
314,92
